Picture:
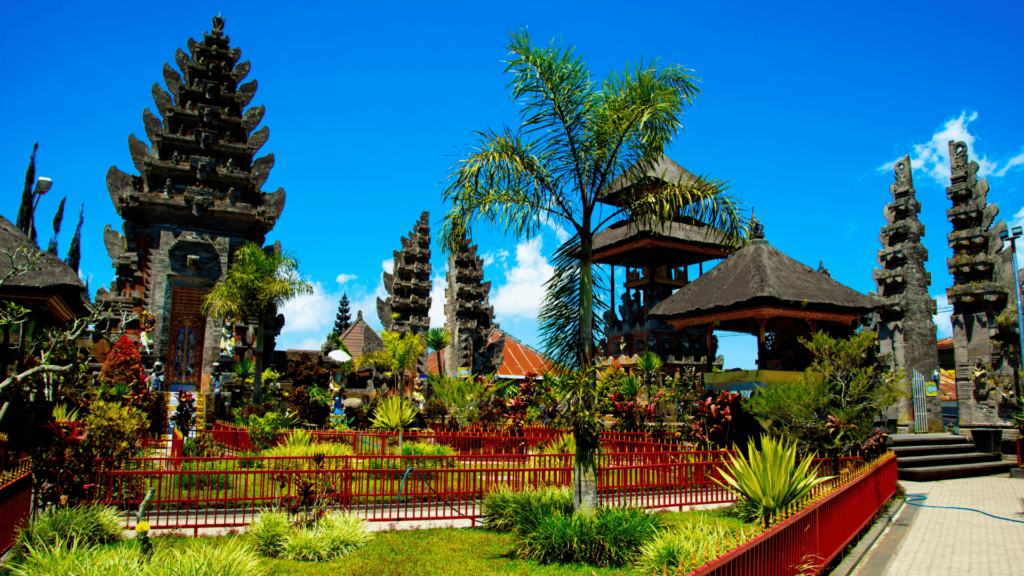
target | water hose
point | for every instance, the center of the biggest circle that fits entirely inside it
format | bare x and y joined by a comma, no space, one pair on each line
913,500
402,487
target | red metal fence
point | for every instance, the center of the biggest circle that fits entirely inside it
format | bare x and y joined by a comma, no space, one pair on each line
810,539
15,504
219,492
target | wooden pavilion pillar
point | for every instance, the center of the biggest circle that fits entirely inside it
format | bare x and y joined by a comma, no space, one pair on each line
707,340
760,343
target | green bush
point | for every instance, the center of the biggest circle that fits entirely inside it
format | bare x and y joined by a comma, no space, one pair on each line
87,525
269,532
332,536
302,444
564,444
446,458
202,481
769,480
684,548
198,558
77,558
508,510
201,446
605,537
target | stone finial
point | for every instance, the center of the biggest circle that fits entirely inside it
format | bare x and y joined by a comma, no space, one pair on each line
822,269
904,176
957,160
755,229
218,24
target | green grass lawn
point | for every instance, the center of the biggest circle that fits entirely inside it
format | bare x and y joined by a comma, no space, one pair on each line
452,551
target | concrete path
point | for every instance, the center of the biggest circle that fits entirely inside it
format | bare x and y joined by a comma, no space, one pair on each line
943,542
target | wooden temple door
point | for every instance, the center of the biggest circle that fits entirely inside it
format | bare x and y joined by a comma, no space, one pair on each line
188,329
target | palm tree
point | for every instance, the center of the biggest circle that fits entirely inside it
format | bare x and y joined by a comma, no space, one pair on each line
649,364
400,357
576,138
437,340
256,284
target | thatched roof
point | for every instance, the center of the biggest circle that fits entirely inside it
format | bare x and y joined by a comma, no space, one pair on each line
665,169
700,236
761,275
49,276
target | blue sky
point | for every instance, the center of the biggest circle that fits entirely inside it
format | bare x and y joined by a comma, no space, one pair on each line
803,108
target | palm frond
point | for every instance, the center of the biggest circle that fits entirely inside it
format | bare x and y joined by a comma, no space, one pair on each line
559,316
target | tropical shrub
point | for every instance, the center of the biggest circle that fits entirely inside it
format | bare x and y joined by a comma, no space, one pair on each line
123,380
712,421
505,509
770,479
330,537
682,549
115,430
564,444
264,429
833,407
310,397
77,558
201,446
394,413
605,537
269,533
302,444
86,524
201,558
63,466
204,477
444,458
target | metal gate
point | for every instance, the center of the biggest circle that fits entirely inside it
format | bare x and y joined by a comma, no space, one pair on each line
920,409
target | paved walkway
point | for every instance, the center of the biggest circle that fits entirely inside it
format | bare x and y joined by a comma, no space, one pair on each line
955,542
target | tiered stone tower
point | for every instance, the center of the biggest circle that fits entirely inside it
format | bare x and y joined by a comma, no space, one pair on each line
409,286
469,316
906,326
197,198
984,313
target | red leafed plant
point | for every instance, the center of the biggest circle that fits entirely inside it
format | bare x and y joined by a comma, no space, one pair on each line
713,419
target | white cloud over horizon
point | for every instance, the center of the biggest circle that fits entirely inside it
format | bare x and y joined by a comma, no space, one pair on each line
345,278
932,157
521,294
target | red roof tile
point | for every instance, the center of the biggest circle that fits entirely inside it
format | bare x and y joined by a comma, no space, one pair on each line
518,360
946,343
947,383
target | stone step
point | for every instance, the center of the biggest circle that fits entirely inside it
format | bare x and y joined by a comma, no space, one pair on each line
932,449
944,460
931,473
897,440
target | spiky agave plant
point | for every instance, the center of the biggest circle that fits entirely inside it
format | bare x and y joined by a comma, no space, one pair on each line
770,479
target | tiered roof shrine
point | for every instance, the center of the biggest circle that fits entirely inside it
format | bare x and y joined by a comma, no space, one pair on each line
197,198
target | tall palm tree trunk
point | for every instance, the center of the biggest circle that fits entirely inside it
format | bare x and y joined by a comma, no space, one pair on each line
587,441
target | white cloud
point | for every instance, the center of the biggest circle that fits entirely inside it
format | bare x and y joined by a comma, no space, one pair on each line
309,313
345,278
498,256
942,317
439,283
311,343
389,265
560,233
1018,219
1015,161
932,157
521,294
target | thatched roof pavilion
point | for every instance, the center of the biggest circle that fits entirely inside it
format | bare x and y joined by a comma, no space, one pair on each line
761,291
49,285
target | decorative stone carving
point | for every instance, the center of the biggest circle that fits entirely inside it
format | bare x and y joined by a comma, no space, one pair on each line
906,326
985,339
408,287
469,317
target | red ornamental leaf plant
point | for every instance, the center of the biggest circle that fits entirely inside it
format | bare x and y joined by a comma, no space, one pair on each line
712,422
123,374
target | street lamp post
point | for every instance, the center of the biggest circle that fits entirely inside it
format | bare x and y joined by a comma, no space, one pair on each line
1012,236
42,187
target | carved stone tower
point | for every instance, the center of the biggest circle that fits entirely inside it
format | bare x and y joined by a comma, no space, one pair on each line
469,316
409,286
197,198
984,313
906,325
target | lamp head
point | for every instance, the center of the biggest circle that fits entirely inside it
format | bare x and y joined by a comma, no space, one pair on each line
1016,230
1004,235
43,185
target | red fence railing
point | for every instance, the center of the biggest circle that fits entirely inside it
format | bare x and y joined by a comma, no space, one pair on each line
811,538
15,505
220,492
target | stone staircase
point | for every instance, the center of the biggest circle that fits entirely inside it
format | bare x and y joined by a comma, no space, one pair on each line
926,457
